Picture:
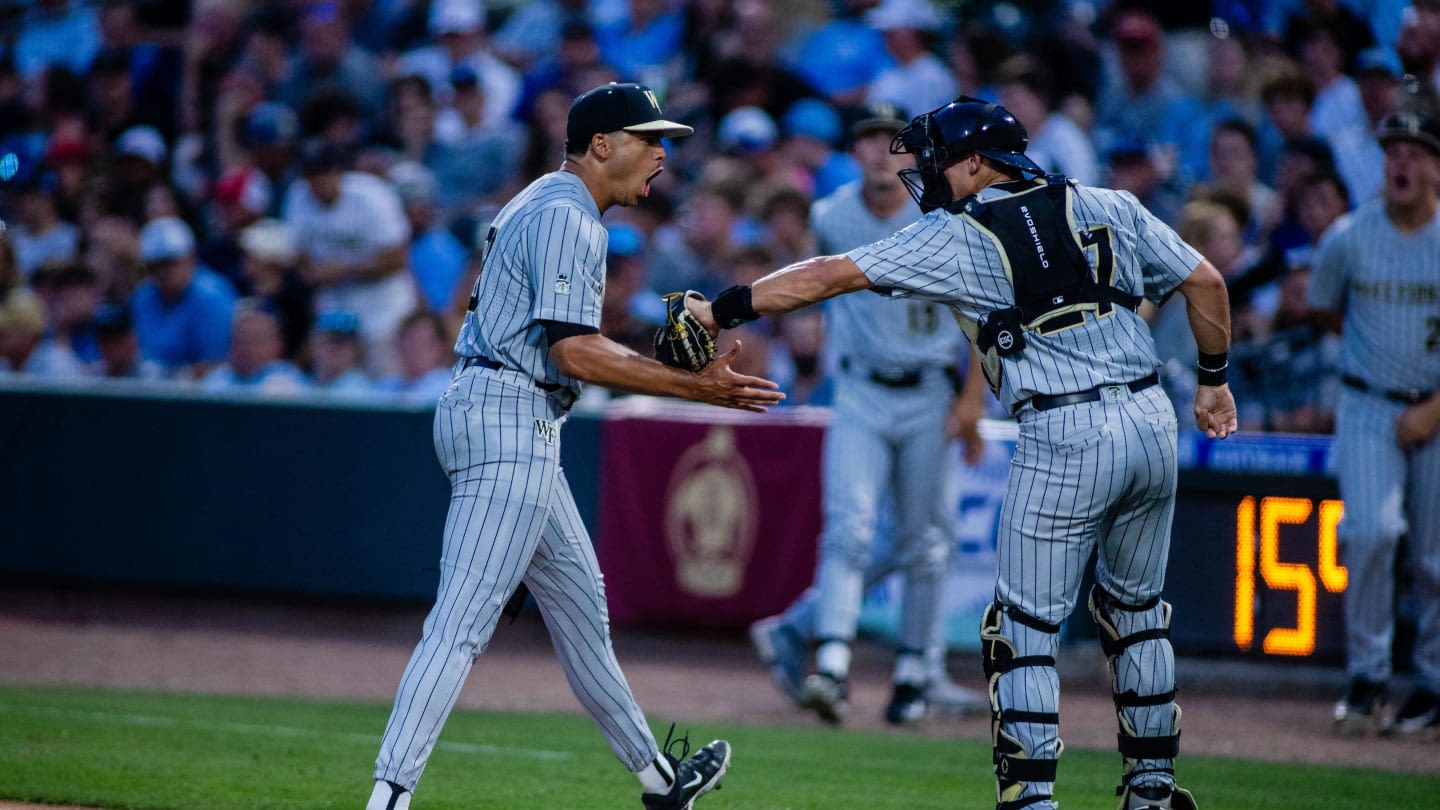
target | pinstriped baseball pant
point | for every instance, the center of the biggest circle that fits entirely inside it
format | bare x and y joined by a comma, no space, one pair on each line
1102,476
512,517
1388,492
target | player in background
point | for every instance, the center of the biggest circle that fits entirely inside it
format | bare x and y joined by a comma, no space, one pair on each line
1378,269
530,339
896,395
1045,276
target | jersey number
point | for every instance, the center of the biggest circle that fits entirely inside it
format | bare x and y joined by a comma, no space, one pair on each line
484,255
924,319
1432,338
1099,238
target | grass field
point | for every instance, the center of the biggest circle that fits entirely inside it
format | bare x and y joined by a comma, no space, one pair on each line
164,751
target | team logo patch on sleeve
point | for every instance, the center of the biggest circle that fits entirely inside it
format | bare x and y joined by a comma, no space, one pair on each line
562,285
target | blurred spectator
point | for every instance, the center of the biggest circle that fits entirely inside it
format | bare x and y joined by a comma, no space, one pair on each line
1235,166
119,348
742,64
269,29
1229,93
802,343
113,252
841,57
330,61
71,294
336,355
56,32
262,141
534,32
1132,168
182,310
621,317
1301,158
643,45
545,133
240,198
22,327
37,232
918,79
425,359
269,255
10,277
1419,46
691,254
437,259
1287,95
112,98
458,27
813,131
1337,99
141,158
1357,152
68,158
571,64
472,158
1136,93
1290,374
1023,87
785,215
254,362
1351,32
353,239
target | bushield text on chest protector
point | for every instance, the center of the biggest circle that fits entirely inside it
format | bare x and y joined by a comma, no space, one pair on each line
1054,284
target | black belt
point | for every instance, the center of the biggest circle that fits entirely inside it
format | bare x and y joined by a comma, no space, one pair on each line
891,377
566,395
1044,402
1412,397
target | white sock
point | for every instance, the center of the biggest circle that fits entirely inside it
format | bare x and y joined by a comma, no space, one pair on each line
657,777
384,797
833,658
911,669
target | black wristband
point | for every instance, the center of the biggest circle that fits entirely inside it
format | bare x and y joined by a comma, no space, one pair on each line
1211,368
731,308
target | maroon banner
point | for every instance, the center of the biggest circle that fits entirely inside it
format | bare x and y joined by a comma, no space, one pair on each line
707,516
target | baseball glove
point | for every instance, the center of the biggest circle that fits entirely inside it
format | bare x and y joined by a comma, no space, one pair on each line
682,341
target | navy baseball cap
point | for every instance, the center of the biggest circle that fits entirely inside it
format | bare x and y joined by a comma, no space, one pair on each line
616,106
880,116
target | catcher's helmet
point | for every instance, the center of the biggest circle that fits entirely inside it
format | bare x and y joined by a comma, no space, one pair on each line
966,126
1410,125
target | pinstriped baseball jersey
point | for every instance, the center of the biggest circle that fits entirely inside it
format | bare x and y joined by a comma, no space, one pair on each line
544,260
885,334
951,259
1388,285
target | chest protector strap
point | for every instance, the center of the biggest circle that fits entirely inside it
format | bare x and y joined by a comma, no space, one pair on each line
1053,282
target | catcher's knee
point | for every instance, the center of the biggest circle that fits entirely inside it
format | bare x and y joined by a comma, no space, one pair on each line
1137,691
1011,640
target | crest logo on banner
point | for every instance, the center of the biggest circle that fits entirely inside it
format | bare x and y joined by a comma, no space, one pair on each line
710,516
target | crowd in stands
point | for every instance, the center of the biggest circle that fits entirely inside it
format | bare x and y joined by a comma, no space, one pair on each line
292,196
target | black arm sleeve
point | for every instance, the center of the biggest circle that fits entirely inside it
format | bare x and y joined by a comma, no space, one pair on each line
556,331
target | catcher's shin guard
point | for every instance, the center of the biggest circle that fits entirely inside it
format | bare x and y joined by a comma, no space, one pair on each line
1024,721
1168,797
1136,641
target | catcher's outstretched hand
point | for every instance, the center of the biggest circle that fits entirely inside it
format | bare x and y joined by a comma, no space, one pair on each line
720,385
1215,410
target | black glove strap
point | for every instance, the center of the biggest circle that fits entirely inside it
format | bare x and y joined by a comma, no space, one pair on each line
731,308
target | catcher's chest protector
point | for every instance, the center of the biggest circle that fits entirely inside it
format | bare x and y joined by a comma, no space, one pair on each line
1045,262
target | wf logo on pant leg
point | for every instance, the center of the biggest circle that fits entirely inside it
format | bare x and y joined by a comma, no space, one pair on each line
547,431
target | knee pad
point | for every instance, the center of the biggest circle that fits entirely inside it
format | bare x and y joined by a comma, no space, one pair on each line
1011,640
1136,642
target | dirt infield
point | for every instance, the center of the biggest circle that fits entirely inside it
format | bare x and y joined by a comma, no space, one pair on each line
134,640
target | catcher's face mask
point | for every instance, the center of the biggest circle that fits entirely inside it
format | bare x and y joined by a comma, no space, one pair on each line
926,182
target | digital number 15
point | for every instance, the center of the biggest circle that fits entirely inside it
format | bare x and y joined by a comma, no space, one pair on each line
1298,577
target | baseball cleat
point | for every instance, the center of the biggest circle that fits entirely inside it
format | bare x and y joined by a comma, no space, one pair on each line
1419,712
944,696
827,696
782,649
907,704
694,777
1157,797
1359,711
